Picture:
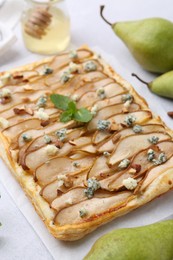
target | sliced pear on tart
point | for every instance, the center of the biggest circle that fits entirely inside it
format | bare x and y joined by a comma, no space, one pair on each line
49,171
42,155
108,112
109,144
94,208
50,191
130,145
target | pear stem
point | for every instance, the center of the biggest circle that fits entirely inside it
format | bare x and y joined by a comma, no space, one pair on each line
136,76
101,14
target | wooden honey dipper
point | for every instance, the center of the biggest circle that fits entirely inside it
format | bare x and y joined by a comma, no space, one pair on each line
37,22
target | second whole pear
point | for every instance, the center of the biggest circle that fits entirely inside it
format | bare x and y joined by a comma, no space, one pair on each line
152,242
162,85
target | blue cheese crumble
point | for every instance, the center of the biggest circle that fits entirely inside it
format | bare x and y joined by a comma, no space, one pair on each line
103,125
137,129
124,164
76,164
101,93
106,154
73,54
47,139
161,159
41,114
92,186
47,70
4,79
153,139
130,183
130,120
75,97
94,110
61,134
51,150
90,66
65,77
83,212
26,137
73,67
42,101
150,155
5,93
127,97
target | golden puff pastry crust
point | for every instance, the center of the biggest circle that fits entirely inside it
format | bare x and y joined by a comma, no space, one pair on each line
80,176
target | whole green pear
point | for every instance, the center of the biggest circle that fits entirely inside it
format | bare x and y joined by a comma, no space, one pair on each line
162,85
150,41
152,242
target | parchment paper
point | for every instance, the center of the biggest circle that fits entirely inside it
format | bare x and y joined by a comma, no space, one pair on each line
154,211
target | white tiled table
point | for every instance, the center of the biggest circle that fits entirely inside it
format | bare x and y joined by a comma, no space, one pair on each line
17,238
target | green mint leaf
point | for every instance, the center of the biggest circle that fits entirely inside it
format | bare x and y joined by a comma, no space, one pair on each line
72,107
60,101
66,116
83,115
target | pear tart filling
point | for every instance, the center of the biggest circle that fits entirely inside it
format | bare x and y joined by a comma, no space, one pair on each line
82,170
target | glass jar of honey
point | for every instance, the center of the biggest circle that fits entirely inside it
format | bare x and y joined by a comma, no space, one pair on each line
46,26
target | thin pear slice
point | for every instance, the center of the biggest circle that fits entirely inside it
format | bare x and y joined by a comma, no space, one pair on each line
78,81
142,159
51,190
91,97
108,112
81,141
73,196
113,89
31,147
10,112
54,78
88,99
114,182
131,145
44,130
63,59
91,149
155,173
147,128
99,136
48,172
17,98
94,208
116,99
93,86
100,168
39,142
109,144
142,116
42,156
16,129
52,112
105,183
117,183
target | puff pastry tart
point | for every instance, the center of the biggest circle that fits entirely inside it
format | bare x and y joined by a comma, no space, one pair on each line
77,175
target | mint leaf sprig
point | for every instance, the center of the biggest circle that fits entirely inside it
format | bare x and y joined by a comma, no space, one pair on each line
70,109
